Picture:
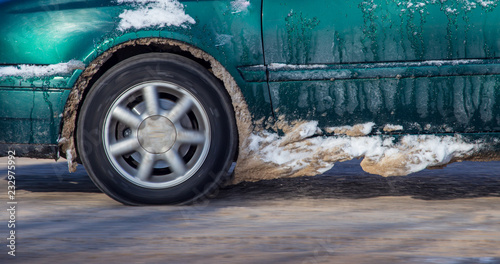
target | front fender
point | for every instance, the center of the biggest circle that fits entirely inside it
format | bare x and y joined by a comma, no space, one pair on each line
225,37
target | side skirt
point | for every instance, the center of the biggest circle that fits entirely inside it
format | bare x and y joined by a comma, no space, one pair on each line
38,151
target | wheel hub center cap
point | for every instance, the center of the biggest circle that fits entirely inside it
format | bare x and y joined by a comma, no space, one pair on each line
157,134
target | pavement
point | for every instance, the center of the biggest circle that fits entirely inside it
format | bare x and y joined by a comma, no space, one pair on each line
346,215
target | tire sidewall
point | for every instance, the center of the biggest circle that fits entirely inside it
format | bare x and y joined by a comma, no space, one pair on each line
156,67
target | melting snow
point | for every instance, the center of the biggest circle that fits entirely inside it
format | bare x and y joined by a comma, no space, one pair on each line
69,157
152,13
390,128
437,63
282,66
31,71
298,153
239,6
354,131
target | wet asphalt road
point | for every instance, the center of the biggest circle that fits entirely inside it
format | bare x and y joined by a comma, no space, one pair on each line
344,216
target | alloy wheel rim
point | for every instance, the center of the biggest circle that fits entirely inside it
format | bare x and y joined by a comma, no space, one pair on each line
156,134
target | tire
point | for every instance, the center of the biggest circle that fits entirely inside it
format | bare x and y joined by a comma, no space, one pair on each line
157,129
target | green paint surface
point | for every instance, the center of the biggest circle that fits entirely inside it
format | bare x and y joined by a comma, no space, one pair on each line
385,61
335,38
42,32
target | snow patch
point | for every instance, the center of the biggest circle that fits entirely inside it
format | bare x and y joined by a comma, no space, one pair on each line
451,10
440,63
69,157
153,13
239,6
353,131
414,153
391,128
486,4
301,131
282,66
32,71
305,155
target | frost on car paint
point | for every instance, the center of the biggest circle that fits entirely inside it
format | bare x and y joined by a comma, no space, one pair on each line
223,39
153,13
416,14
468,5
304,151
386,31
464,104
239,6
32,71
282,66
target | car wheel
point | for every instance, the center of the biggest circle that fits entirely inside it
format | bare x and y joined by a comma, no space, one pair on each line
157,129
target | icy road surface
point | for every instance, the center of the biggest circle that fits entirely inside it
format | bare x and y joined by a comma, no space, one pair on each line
343,216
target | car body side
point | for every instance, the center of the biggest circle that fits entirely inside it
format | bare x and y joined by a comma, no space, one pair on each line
268,52
38,33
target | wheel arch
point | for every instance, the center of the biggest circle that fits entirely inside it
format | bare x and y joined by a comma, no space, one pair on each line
68,147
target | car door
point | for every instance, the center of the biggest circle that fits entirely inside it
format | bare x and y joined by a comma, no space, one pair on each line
427,66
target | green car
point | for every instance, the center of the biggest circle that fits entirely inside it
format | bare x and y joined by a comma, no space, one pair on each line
163,101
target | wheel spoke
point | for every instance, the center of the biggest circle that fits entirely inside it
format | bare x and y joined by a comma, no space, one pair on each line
151,98
125,146
175,161
157,134
146,167
127,117
181,108
190,136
